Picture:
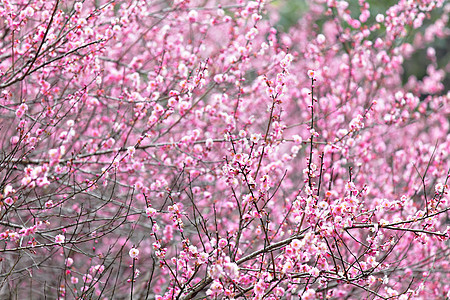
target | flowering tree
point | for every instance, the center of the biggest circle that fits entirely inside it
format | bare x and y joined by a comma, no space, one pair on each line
187,149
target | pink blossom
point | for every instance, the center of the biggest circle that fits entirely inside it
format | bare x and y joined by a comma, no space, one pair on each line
192,16
251,34
215,289
14,140
59,239
150,211
222,243
320,39
190,130
133,253
21,110
379,18
9,201
78,6
69,262
310,294
87,278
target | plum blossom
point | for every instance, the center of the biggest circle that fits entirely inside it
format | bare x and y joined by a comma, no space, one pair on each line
59,239
192,16
150,211
133,253
215,289
188,132
309,294
21,110
69,262
251,34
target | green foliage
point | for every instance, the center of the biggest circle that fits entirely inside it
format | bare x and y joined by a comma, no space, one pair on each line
290,12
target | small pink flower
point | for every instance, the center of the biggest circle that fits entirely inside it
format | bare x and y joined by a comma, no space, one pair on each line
59,239
29,12
219,78
215,288
298,139
279,291
150,211
96,269
251,34
209,142
14,140
255,137
311,74
379,18
69,262
296,244
192,16
259,288
9,201
287,267
133,253
78,6
87,278
4,235
320,39
21,110
131,150
309,294
8,190
223,243
256,17
355,24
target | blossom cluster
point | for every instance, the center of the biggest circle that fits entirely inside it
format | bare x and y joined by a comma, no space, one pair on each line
184,149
